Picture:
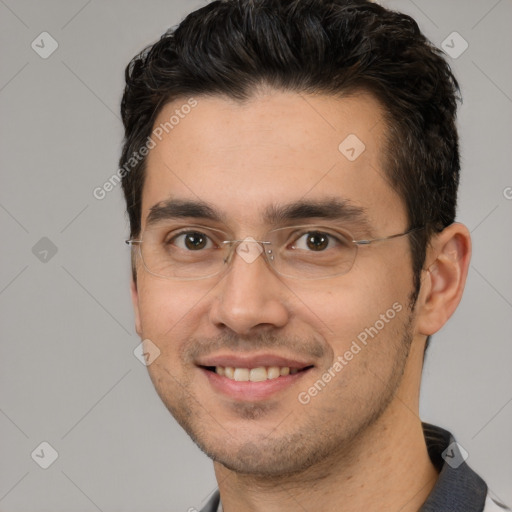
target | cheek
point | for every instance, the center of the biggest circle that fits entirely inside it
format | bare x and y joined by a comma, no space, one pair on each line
363,305
166,310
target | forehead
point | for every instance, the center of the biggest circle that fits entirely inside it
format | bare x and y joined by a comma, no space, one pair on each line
276,148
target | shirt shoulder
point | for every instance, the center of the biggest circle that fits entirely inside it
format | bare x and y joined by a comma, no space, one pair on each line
458,487
492,506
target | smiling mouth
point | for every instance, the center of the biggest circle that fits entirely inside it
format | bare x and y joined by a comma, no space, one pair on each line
259,374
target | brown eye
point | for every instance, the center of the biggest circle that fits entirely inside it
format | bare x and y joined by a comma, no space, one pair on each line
317,241
320,242
191,241
195,241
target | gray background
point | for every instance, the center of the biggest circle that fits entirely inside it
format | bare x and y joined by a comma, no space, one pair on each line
68,374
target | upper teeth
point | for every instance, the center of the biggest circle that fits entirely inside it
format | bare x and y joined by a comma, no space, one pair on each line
254,374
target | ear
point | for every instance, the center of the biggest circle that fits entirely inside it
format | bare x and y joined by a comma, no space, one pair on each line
135,302
443,280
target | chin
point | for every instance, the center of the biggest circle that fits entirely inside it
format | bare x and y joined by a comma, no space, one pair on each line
264,458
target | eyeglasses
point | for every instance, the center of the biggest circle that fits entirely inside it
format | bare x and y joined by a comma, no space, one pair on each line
299,252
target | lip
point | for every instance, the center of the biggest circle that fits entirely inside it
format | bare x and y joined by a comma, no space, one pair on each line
252,361
251,391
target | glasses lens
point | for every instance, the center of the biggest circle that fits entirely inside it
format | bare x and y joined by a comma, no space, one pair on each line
312,252
197,252
183,253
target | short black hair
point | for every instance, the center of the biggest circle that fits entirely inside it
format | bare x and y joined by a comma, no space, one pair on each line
338,47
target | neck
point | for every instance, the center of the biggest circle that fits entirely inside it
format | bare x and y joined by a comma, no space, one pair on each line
386,467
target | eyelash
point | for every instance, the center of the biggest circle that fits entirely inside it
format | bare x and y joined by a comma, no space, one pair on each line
295,236
181,233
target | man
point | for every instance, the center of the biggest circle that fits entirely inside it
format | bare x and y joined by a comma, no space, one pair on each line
291,172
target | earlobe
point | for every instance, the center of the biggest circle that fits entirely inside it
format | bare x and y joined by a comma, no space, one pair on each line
445,277
135,302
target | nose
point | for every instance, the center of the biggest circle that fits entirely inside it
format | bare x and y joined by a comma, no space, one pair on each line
250,296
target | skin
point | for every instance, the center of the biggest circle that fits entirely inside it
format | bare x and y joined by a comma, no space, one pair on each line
358,444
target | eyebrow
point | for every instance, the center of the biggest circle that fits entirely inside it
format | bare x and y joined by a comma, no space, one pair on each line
331,208
182,209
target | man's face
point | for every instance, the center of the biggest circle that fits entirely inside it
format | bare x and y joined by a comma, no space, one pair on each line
273,151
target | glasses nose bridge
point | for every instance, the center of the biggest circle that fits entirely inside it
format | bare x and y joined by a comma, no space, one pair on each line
248,254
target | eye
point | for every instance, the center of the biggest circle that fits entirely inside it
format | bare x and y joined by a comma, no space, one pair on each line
315,241
191,241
